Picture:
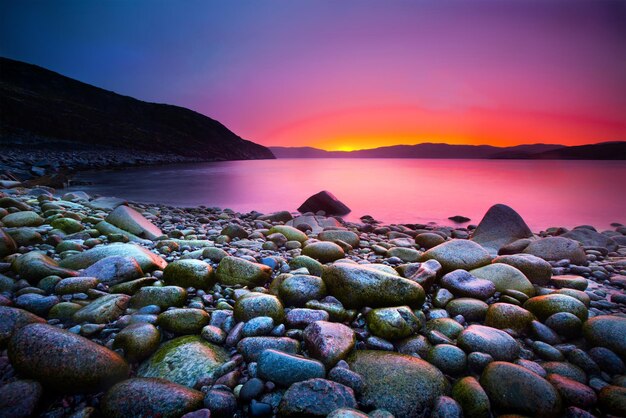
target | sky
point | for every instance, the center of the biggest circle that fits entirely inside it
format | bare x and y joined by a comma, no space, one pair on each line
349,74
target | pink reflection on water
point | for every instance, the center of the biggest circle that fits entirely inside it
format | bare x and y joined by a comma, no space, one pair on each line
545,193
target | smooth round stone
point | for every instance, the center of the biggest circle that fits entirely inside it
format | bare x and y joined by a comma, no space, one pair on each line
576,294
347,413
556,249
298,289
313,266
213,334
147,260
505,315
458,254
498,344
261,325
251,389
505,277
103,310
442,297
141,397
138,341
12,319
463,284
285,369
114,270
478,361
64,311
221,403
546,351
565,369
234,231
401,384
392,323
7,244
515,389
569,281
565,323
291,233
183,321
546,305
252,347
75,285
189,273
348,237
214,254
472,398
612,400
608,361
64,361
237,271
315,398
36,303
25,218
19,398
449,359
573,392
67,225
446,407
357,286
34,266
537,270
302,317
324,251
471,309
447,326
163,297
255,304
429,240
607,331
328,342
407,255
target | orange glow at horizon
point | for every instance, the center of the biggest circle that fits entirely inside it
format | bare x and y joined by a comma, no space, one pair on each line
372,127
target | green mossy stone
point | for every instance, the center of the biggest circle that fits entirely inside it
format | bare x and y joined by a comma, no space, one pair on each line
256,304
291,233
472,398
547,305
67,225
458,254
393,323
164,297
237,271
189,273
183,321
138,341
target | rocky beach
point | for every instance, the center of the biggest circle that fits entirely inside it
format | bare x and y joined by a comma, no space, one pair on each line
122,309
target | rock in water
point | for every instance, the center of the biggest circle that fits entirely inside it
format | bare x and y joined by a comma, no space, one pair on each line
147,260
184,360
326,202
142,397
515,389
357,286
64,361
403,385
130,220
500,226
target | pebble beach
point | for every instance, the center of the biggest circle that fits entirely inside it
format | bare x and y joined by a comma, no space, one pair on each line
122,309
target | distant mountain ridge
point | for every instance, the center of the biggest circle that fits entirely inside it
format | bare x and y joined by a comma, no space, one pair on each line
601,151
41,107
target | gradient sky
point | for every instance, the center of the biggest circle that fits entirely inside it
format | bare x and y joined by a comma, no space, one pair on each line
348,74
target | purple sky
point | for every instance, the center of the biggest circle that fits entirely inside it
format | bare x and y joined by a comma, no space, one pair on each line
349,74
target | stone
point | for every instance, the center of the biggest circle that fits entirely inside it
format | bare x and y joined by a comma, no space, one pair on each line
286,369
141,397
315,398
24,218
496,343
612,399
313,266
505,277
103,310
458,254
189,273
429,240
324,201
448,358
537,270
357,286
130,220
515,389
183,321
252,347
506,315
403,385
471,309
329,342
392,323
75,285
12,319
7,244
34,266
573,392
324,251
67,225
302,317
184,360
254,304
64,361
237,271
472,398
545,306
291,233
114,270
590,238
500,226
463,284
138,341
298,289
147,260
233,230
333,235
20,398
164,297
569,281
607,331
36,303
556,249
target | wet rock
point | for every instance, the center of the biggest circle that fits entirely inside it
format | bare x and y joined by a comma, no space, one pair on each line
103,310
449,359
463,284
114,270
34,266
298,289
7,244
233,271
505,277
164,297
147,260
20,398
537,270
458,254
607,331
573,392
500,226
285,369
75,285
324,251
496,343
324,201
392,323
546,305
150,397
64,361
24,218
183,321
138,341
329,342
12,319
189,273
316,398
471,309
472,398
255,304
130,220
252,347
221,402
506,315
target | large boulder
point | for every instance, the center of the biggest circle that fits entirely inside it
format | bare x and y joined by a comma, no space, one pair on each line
64,361
500,226
516,389
458,254
357,286
147,260
403,385
590,238
184,360
130,220
324,201
141,397
557,248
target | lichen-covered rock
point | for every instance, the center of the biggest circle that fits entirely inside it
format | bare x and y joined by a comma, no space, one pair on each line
138,341
164,297
254,304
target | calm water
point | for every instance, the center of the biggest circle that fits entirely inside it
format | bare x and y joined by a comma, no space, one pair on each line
545,193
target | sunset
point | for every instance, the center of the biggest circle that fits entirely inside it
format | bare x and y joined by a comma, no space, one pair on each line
312,208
